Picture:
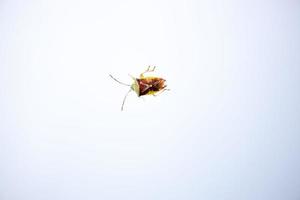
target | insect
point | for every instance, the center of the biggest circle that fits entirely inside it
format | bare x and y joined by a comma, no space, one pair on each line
149,85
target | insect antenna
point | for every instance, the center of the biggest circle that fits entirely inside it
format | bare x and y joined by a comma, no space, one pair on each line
125,99
119,81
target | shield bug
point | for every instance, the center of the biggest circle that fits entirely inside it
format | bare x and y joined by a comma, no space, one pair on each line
144,85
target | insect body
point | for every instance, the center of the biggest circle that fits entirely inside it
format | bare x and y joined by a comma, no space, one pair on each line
145,85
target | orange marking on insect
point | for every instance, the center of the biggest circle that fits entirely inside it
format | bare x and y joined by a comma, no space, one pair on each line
150,85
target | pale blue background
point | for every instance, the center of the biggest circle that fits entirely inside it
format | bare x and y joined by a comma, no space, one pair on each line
228,129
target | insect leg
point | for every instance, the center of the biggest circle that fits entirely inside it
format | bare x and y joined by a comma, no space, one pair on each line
125,99
161,92
147,70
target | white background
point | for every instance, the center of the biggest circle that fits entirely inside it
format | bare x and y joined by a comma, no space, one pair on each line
228,129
